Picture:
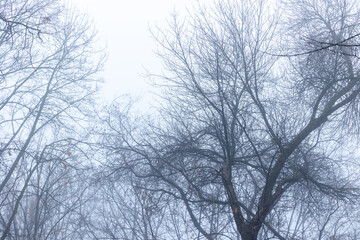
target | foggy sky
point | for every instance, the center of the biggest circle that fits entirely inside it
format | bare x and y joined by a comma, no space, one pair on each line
123,26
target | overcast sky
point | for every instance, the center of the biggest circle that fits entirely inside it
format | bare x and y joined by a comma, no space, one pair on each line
124,26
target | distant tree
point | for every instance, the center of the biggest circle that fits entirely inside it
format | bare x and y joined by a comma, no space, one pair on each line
48,78
260,111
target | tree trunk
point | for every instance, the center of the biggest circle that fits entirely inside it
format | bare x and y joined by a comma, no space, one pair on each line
249,232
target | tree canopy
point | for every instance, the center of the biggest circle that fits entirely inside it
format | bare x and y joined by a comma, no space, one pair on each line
255,136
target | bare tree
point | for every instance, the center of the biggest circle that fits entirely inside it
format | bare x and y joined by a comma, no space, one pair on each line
48,206
48,81
258,102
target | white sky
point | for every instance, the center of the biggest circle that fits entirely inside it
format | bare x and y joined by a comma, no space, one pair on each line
124,25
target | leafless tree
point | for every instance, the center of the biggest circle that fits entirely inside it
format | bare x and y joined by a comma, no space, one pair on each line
48,80
260,105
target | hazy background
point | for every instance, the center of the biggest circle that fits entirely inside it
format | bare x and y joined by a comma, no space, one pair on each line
123,26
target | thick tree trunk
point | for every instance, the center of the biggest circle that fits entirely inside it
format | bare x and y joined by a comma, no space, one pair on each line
249,232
